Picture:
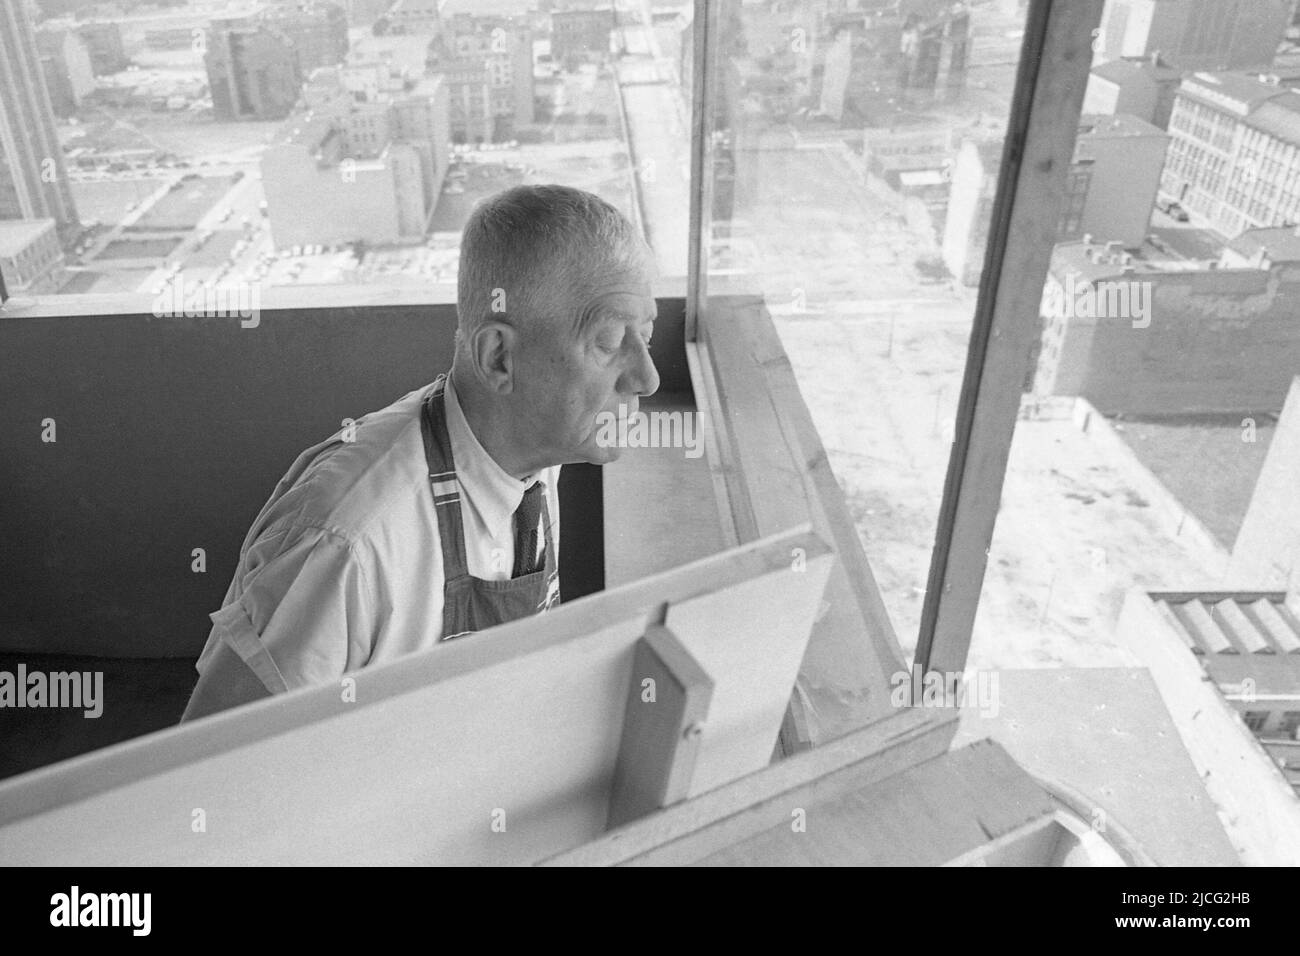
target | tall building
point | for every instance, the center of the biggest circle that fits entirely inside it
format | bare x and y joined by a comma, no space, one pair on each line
420,17
364,162
1113,179
934,49
256,63
1144,87
1154,339
252,70
318,31
970,208
505,45
1195,34
581,33
31,260
469,91
103,39
363,13
33,181
1109,189
69,75
1234,152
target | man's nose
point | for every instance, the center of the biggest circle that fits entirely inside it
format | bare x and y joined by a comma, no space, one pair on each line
642,378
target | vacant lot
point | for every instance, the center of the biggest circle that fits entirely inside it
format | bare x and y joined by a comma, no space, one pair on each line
138,248
107,200
183,208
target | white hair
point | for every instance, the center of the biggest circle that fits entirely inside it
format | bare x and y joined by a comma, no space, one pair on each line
531,255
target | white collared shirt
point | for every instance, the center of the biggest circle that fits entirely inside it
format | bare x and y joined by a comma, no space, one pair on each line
343,566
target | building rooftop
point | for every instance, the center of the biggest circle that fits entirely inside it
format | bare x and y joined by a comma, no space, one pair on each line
1118,124
1278,243
401,49
1203,462
1239,636
1239,91
1279,117
1093,261
304,129
1269,102
1128,68
485,8
17,234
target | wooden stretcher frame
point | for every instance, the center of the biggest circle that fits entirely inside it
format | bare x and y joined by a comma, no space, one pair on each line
405,766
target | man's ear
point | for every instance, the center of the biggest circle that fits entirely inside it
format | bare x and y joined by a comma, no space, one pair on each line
492,350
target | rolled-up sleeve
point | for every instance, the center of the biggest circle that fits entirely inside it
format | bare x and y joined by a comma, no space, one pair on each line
305,612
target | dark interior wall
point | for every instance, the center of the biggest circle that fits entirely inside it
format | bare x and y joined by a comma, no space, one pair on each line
171,433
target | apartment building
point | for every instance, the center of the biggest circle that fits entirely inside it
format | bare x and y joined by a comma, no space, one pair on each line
1234,151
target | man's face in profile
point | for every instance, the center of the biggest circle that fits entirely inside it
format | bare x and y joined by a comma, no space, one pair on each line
568,379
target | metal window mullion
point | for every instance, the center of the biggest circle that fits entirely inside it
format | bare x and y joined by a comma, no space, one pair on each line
705,22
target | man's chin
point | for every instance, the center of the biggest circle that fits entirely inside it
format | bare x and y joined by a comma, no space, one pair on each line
599,455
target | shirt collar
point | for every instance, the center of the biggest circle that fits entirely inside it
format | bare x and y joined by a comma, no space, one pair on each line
488,488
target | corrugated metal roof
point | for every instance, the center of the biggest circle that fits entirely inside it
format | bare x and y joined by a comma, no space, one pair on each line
1235,622
1240,635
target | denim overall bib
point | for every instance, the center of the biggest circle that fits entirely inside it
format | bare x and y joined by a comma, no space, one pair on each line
471,604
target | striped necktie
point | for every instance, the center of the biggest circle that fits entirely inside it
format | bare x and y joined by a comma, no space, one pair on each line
527,517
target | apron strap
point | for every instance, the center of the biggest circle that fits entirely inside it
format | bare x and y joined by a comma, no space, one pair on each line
446,488
442,480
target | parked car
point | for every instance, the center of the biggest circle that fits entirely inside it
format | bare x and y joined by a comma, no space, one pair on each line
1173,208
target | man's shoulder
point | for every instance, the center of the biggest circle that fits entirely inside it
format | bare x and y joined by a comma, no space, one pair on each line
369,474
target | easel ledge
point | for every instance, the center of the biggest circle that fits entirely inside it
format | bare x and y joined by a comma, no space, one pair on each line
687,832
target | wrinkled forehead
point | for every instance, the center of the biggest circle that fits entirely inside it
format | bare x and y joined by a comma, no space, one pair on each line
621,297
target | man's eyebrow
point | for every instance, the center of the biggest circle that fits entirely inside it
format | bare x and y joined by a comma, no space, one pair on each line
619,315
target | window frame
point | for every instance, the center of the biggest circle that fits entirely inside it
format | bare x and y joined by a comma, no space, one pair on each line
1051,77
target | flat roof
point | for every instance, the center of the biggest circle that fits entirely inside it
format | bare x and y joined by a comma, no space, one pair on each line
1279,117
1203,462
1246,88
1117,124
1273,108
304,130
1131,67
1280,243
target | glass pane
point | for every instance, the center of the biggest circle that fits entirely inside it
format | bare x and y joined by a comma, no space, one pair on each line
854,152
1148,515
199,144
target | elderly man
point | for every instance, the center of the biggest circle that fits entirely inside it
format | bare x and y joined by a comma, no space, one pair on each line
438,516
